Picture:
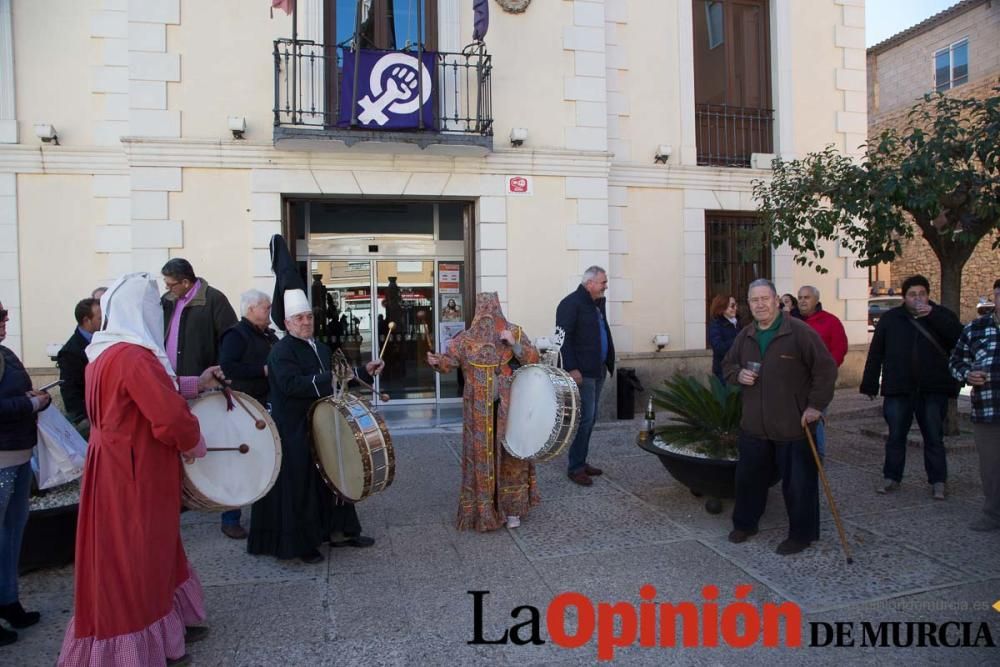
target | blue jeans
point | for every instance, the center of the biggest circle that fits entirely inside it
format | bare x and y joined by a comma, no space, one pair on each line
821,438
930,410
232,517
799,485
15,486
590,394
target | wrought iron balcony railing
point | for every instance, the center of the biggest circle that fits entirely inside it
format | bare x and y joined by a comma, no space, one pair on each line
727,136
307,96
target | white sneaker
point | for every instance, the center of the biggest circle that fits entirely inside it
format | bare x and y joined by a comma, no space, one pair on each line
937,491
513,521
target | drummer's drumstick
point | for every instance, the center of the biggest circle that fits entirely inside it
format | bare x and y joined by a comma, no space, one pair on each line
242,449
382,397
392,325
427,338
260,424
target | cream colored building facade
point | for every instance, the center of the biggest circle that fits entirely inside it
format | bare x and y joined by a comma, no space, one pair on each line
139,92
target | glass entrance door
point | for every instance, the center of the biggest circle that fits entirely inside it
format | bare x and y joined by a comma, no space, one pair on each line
406,317
341,297
395,309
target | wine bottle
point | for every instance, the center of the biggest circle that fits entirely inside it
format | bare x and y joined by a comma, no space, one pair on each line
650,416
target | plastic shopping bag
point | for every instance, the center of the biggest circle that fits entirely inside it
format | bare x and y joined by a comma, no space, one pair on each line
61,450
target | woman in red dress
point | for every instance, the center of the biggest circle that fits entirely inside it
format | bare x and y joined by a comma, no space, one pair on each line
136,595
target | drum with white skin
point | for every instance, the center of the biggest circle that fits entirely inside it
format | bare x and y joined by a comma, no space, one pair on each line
244,453
544,413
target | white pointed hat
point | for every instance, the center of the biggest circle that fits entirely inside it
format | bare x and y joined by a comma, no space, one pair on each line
295,303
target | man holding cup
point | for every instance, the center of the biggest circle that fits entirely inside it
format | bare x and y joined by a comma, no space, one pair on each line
976,360
909,356
787,377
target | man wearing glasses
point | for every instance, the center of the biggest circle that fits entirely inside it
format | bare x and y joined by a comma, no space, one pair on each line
195,316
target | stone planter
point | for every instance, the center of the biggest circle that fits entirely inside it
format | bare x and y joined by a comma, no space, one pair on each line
713,478
50,534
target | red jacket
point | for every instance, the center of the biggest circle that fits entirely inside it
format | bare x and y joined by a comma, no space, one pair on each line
832,332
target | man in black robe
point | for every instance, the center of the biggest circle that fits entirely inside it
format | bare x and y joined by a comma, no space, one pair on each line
300,512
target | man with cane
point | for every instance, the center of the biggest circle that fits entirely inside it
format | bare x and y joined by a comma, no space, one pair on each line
787,376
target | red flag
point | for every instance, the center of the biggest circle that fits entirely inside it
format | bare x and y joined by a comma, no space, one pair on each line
287,6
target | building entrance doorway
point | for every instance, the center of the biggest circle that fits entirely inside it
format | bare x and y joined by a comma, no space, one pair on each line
388,280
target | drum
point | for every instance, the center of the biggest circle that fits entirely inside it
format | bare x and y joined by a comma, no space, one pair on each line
544,412
351,447
227,478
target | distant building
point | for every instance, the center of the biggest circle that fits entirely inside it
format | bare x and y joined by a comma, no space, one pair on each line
956,52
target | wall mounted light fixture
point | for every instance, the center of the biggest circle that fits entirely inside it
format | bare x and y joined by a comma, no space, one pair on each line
238,125
47,133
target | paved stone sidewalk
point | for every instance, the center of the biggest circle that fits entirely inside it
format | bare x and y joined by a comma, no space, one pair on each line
405,601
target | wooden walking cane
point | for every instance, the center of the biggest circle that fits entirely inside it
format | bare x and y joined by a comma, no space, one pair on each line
829,496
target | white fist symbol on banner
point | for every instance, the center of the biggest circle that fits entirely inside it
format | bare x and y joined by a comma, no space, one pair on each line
401,94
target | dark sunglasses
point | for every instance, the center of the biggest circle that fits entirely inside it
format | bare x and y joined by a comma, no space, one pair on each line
3,315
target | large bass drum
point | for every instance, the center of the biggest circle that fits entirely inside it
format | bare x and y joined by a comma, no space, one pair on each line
351,447
544,413
227,478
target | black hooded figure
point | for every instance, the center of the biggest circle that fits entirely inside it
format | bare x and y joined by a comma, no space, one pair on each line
300,512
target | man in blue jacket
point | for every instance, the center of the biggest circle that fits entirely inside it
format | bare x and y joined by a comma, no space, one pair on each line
588,355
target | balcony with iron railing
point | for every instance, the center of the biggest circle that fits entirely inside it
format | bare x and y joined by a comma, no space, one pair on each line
309,100
727,136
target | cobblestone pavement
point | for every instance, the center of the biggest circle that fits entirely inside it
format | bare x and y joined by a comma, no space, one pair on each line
405,601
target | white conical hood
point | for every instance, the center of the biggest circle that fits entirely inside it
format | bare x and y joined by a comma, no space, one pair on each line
295,303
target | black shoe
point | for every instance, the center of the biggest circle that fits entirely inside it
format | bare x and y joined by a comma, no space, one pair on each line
738,536
312,557
7,636
360,541
195,633
235,531
15,614
790,546
179,662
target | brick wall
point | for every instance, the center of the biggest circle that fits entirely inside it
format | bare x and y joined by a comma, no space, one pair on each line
977,278
902,74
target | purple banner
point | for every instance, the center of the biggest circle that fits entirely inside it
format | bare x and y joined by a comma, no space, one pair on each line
393,90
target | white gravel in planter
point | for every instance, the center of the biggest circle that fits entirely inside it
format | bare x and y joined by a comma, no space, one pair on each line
60,496
684,450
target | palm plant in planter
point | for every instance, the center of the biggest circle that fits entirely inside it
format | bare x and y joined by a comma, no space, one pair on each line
707,419
699,449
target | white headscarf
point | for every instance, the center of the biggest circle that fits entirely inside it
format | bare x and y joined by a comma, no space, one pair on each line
132,314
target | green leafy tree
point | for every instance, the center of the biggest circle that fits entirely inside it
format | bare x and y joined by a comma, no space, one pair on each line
940,175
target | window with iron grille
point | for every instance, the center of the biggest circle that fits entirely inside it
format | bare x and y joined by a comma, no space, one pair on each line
732,260
732,81
951,66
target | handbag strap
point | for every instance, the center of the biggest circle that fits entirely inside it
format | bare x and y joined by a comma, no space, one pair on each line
929,336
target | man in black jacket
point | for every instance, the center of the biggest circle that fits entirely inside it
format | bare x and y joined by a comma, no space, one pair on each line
246,346
910,349
72,360
195,315
588,355
243,358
